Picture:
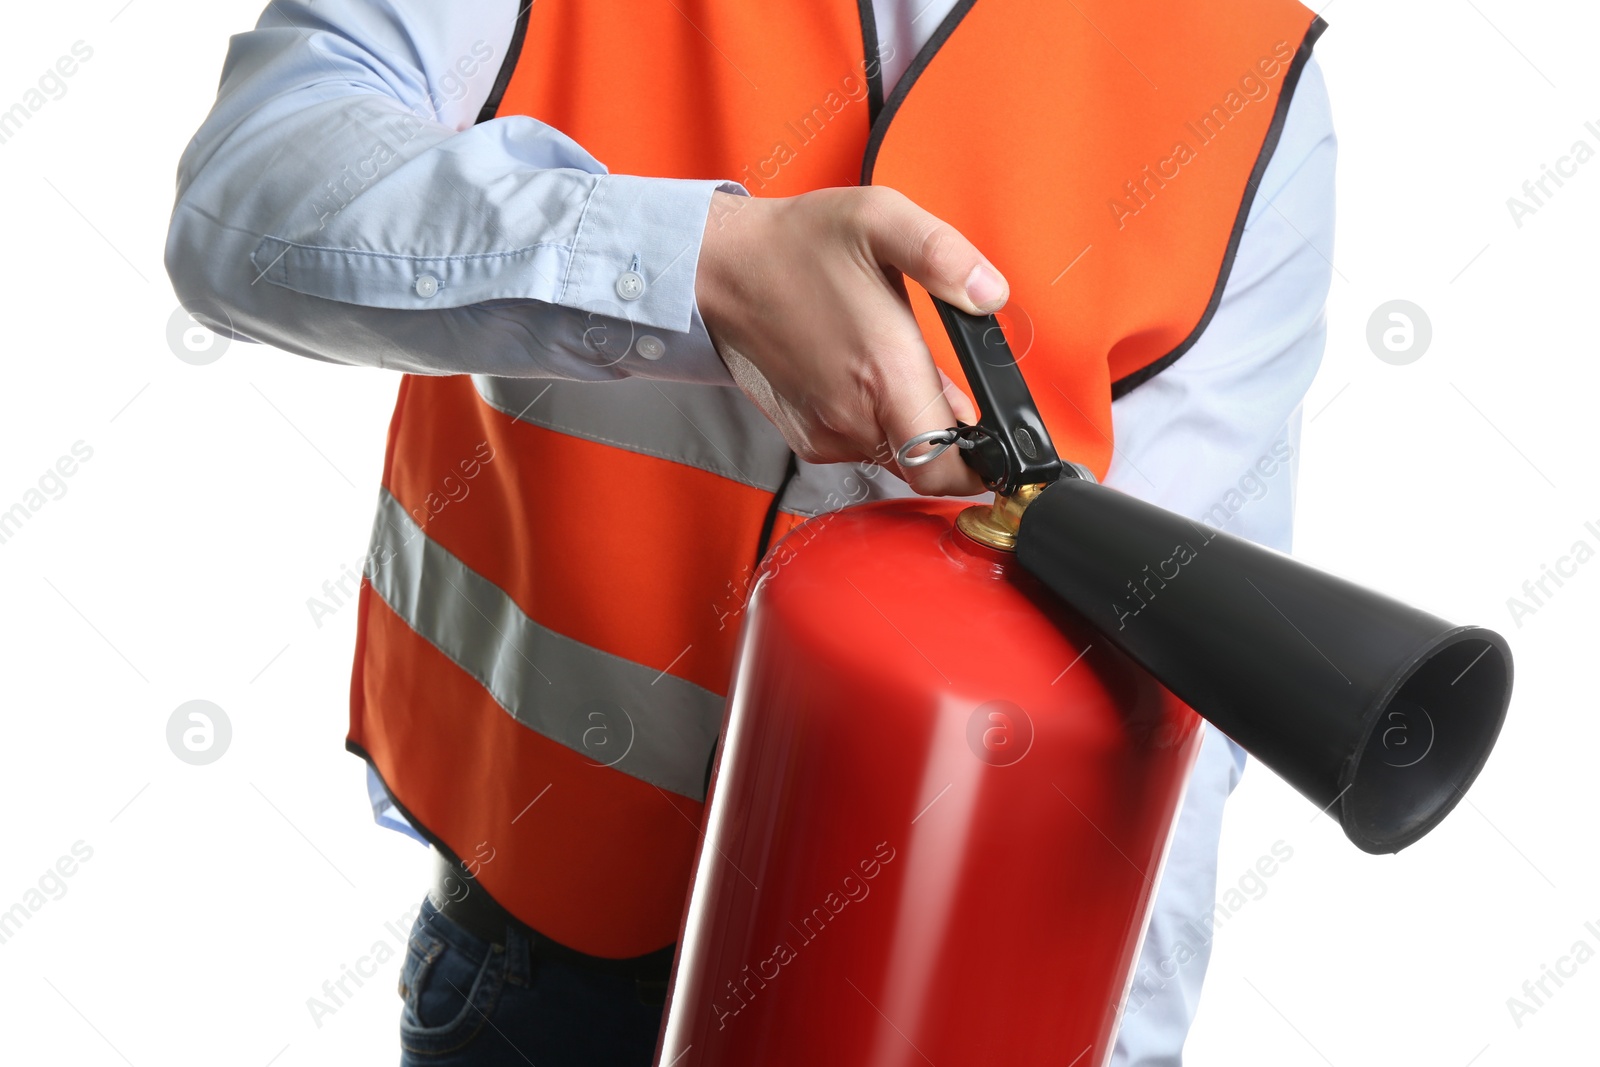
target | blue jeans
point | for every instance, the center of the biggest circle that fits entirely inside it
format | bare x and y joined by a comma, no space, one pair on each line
472,1004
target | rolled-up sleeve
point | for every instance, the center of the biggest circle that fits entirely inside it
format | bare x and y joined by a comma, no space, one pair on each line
342,202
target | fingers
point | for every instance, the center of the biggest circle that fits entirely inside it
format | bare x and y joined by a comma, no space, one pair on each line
911,398
931,252
827,346
912,395
948,475
918,401
959,402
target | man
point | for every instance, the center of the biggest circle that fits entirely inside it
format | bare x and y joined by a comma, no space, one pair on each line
559,566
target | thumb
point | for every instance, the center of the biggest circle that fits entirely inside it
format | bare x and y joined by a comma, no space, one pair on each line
959,402
932,252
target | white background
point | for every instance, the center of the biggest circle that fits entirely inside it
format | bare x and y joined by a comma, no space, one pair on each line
178,563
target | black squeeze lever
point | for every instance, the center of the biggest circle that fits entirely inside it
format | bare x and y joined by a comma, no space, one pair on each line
1010,446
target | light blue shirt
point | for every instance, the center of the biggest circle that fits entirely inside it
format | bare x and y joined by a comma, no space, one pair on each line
341,201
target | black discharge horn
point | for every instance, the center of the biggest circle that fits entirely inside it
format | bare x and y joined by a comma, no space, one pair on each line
1373,710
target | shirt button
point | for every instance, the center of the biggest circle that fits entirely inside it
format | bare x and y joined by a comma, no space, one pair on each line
630,285
426,286
650,347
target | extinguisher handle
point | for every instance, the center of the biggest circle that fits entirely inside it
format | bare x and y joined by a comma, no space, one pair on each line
1012,448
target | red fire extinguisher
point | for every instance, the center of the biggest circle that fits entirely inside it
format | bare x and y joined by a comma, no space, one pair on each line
949,771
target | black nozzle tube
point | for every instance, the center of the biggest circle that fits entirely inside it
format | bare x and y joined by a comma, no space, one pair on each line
1376,712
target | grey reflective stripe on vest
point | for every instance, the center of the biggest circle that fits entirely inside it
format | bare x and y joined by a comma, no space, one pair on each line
714,428
822,487
643,722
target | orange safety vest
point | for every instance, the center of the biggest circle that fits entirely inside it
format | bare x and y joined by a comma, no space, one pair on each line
549,612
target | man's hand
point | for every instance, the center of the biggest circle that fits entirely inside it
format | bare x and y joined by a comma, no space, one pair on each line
804,299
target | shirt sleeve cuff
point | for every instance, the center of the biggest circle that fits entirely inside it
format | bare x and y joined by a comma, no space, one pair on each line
634,260
663,355
637,249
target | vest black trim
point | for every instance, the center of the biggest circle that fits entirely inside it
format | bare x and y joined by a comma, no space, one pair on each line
1291,79
872,53
881,120
882,113
764,542
519,33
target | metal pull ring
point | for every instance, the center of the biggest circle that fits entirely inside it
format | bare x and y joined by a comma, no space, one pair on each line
960,436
